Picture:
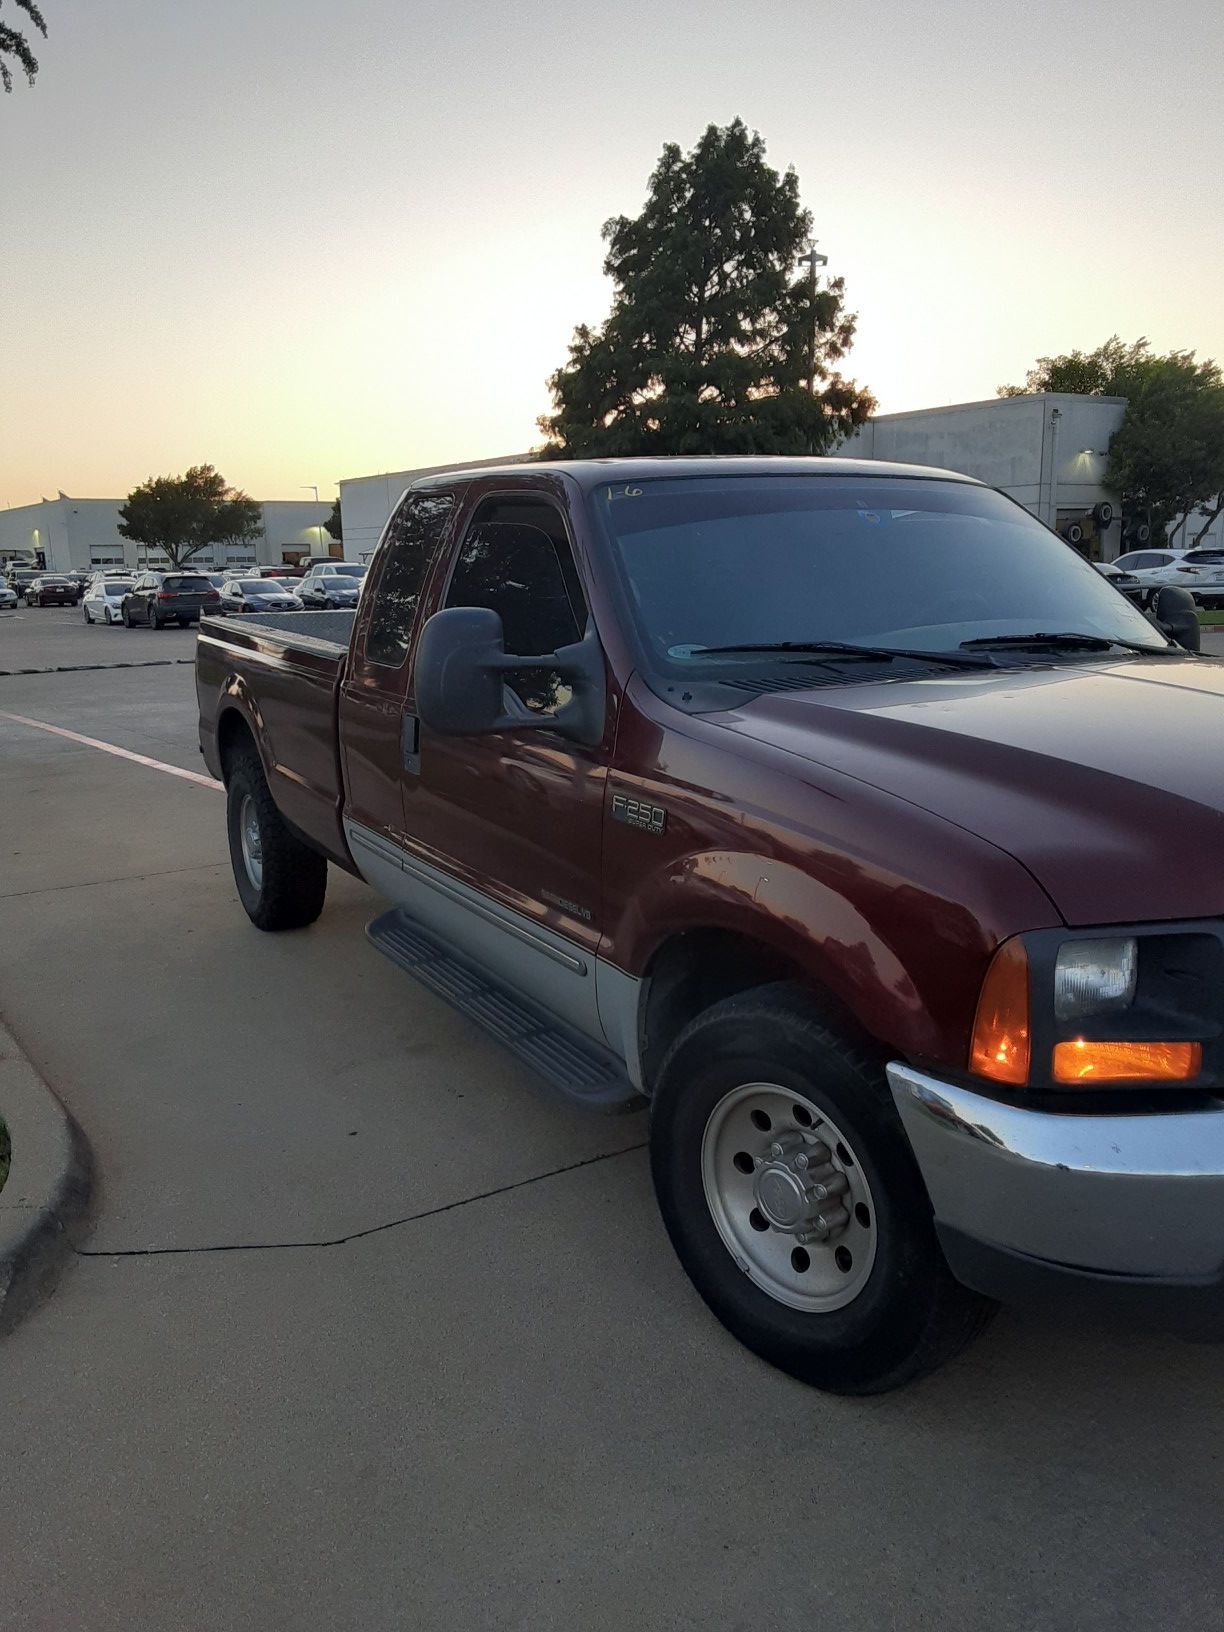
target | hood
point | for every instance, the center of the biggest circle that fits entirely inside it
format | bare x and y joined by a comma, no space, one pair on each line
1105,779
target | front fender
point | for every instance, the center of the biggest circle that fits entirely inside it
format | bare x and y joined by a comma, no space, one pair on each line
906,964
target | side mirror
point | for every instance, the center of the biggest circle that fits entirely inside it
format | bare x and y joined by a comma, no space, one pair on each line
1176,615
461,666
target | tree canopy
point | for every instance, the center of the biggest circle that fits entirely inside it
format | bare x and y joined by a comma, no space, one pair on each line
15,43
1167,456
182,515
334,524
716,341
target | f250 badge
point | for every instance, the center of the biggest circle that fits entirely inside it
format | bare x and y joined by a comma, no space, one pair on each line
637,813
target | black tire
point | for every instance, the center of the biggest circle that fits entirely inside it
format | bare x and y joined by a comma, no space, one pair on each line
127,616
88,619
911,1315
154,621
294,881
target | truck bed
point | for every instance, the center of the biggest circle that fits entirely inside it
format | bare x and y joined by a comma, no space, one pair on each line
319,632
287,668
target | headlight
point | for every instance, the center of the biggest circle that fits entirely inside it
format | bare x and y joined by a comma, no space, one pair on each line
1094,977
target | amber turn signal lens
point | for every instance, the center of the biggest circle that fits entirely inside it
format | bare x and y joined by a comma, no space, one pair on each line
1126,1062
1000,1045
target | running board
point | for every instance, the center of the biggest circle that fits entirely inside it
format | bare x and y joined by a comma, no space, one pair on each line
571,1063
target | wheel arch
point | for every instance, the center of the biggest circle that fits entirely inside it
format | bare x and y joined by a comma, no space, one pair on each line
693,969
722,924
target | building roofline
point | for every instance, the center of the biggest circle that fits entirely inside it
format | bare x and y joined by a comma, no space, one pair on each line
997,402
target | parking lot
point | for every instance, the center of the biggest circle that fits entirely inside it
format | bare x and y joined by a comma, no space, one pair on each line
372,1333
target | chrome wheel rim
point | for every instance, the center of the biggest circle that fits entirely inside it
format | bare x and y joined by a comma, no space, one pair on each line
251,840
789,1197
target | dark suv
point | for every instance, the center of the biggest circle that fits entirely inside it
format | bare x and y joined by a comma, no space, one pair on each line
159,598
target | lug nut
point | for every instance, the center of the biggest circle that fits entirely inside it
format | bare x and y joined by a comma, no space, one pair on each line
836,1185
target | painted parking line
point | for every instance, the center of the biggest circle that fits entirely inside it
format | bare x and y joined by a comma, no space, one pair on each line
112,748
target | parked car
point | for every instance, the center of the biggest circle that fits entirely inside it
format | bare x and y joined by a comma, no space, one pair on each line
825,805
52,589
1125,581
258,595
276,572
331,590
103,602
159,598
1151,567
20,578
8,598
1202,573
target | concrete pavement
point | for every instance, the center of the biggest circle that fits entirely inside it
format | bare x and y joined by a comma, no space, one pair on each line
503,1407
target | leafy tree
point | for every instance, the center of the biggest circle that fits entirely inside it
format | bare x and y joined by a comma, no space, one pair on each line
1167,456
715,343
333,523
1105,372
14,43
182,515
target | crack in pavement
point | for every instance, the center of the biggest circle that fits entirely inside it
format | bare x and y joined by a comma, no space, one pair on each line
356,1235
100,883
93,668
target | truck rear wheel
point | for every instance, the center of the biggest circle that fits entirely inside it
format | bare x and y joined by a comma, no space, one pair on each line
794,1203
281,881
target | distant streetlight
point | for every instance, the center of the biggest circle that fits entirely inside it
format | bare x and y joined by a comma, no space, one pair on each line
812,260
312,487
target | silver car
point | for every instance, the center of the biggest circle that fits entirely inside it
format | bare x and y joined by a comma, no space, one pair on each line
8,598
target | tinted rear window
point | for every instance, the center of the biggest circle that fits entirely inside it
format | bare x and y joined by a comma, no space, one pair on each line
192,585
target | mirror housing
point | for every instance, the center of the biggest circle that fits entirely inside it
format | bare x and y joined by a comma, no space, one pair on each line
461,664
1175,613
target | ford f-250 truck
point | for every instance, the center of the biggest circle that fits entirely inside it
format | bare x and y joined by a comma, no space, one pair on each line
838,810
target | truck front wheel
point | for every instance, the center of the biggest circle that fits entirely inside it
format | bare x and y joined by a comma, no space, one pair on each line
281,882
794,1203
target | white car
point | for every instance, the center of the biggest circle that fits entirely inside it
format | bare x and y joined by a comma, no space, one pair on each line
8,598
1199,571
103,601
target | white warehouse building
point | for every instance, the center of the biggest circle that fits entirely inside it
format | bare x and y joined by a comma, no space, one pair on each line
366,502
1048,450
73,535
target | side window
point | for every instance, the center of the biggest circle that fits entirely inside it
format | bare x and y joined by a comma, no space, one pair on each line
414,537
526,575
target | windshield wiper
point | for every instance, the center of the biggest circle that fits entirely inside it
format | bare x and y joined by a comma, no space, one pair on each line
841,648
1066,640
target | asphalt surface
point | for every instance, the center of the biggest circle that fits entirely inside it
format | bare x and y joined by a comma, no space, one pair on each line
492,1400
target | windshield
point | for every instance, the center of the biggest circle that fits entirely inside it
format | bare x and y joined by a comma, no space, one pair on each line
886,561
258,586
115,587
345,571
342,584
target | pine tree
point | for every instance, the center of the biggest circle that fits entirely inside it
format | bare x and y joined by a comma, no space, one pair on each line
716,341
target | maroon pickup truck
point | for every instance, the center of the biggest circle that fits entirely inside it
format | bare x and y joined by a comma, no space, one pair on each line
840,811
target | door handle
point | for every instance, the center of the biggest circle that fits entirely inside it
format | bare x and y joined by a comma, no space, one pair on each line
410,744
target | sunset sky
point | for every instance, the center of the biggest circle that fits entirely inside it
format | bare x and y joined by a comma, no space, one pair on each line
304,241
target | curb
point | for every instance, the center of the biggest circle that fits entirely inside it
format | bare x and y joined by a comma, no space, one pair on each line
44,1206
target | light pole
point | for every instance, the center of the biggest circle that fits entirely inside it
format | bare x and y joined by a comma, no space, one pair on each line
812,260
312,487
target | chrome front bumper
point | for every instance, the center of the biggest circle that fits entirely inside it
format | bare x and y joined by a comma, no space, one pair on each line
1131,1196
